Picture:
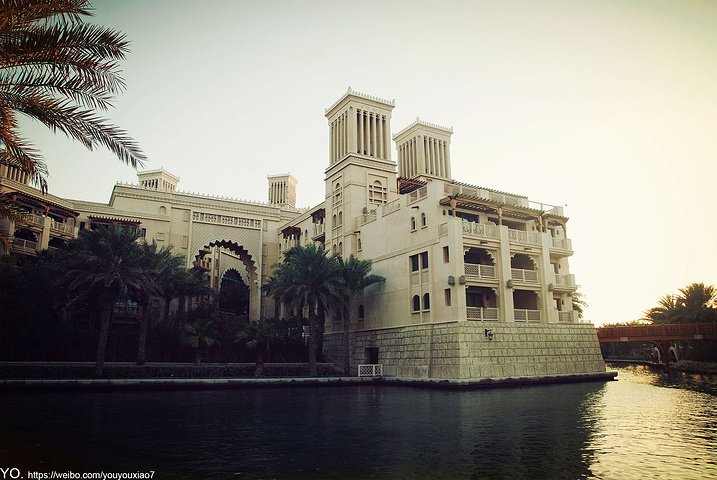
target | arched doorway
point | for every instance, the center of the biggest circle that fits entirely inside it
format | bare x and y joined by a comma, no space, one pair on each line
218,258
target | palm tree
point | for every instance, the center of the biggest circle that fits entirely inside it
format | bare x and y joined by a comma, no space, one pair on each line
160,263
201,332
308,278
579,303
59,70
259,336
668,310
699,302
356,276
103,266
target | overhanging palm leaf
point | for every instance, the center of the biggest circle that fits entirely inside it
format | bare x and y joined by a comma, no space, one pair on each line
58,70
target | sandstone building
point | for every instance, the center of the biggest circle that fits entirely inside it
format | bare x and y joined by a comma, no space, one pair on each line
478,280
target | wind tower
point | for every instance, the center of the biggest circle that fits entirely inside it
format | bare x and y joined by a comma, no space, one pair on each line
361,175
160,180
282,189
424,151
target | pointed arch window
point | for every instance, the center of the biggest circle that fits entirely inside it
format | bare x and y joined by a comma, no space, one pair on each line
416,303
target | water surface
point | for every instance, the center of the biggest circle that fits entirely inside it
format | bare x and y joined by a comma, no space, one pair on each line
644,425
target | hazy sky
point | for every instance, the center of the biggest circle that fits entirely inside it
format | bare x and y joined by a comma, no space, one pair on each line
607,106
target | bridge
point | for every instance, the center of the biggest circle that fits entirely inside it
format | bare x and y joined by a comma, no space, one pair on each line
663,336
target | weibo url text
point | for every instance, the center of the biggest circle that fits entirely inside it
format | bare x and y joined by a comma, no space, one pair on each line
16,473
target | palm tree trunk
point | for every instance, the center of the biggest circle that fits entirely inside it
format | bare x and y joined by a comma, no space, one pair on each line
105,317
259,371
198,356
312,342
345,343
143,325
320,326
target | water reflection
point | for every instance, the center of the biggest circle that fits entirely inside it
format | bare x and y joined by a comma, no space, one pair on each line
626,429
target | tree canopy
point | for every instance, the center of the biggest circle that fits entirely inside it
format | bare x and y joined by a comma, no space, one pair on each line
695,303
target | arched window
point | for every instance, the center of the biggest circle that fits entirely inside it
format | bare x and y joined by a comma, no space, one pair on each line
162,210
426,302
341,218
416,303
359,243
423,219
413,223
333,221
337,193
377,193
341,248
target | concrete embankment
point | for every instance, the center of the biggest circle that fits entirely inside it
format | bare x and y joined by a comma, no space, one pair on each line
39,377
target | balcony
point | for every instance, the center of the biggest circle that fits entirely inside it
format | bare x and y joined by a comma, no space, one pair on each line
525,276
22,246
570,316
63,229
480,271
561,245
34,220
482,230
526,316
565,282
482,314
519,236
319,231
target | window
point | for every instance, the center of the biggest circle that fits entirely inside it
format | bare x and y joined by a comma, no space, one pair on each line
359,243
423,220
426,302
361,312
341,218
414,263
424,260
446,255
377,193
413,223
448,297
142,234
416,303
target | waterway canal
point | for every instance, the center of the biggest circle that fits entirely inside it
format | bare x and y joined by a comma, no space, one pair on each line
644,425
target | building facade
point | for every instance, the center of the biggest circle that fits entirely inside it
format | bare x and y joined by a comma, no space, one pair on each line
478,282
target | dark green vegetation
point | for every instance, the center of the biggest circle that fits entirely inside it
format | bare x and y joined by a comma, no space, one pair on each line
98,299
310,280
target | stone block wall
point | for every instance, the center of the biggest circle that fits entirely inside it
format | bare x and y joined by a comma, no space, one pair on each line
461,350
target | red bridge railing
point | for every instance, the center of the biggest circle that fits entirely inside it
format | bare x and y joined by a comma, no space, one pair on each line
693,331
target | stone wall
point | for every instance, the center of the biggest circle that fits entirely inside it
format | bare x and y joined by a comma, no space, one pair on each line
462,350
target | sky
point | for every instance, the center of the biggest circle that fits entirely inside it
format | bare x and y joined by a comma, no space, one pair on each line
606,106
